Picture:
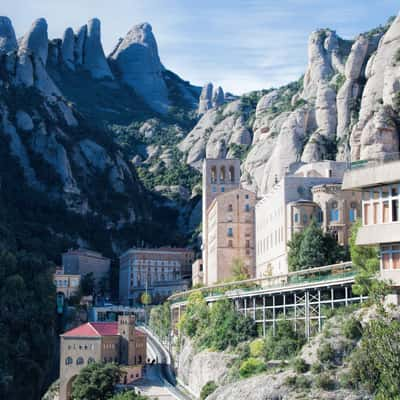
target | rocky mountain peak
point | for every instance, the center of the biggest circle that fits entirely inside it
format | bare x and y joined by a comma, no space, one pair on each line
138,64
8,41
36,40
67,48
205,101
218,97
94,59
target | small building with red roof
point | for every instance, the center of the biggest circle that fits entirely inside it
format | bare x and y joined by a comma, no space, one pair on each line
118,342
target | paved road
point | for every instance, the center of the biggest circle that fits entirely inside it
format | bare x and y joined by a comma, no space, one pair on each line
159,381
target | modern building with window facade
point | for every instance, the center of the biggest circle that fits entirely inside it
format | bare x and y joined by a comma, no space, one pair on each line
161,272
379,182
84,261
230,234
118,342
310,193
219,176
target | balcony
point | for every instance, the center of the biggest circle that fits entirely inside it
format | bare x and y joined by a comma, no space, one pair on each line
378,234
366,173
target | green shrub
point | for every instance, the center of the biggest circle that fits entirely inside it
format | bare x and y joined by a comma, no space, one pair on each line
302,382
207,389
285,344
324,381
300,366
326,353
257,347
316,368
352,329
346,381
290,380
251,367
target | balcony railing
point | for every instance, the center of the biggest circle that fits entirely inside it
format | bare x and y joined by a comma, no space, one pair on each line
306,276
371,162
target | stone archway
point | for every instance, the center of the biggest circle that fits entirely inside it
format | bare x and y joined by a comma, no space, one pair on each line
66,388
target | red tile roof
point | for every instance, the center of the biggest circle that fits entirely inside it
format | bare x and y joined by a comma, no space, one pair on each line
97,329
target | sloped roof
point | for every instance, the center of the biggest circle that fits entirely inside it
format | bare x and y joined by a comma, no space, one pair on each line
97,329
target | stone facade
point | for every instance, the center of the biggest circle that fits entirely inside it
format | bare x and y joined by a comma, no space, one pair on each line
339,210
219,176
197,273
118,342
290,206
161,271
83,261
67,284
230,234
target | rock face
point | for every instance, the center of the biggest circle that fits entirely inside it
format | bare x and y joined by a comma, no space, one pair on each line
94,59
218,97
196,369
205,101
67,48
8,41
375,133
36,41
138,64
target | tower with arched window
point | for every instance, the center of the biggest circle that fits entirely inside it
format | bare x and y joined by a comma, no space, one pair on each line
219,176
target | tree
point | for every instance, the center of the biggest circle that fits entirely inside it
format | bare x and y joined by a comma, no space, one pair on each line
239,270
96,382
87,284
195,316
160,320
312,248
375,362
365,260
145,299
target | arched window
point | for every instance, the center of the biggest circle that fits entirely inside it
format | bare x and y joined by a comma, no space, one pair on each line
232,174
68,361
213,174
90,360
222,175
80,361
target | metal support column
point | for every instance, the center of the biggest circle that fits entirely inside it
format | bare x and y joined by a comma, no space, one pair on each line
284,306
254,308
273,315
245,306
332,298
307,313
263,315
346,296
295,312
319,311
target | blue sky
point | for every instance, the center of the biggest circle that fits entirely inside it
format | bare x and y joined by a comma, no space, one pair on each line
242,45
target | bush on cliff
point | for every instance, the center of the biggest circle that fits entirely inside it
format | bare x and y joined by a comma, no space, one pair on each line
251,367
207,389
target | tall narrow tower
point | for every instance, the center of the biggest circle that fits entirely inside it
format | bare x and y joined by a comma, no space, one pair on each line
126,329
219,176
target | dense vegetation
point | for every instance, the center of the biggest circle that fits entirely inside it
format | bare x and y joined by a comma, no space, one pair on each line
218,327
312,248
97,382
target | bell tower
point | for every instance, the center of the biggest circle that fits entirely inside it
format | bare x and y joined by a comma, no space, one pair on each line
126,329
219,176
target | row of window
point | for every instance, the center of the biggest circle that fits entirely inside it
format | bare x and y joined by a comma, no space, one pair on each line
60,283
222,174
272,240
381,206
79,361
81,347
390,256
157,263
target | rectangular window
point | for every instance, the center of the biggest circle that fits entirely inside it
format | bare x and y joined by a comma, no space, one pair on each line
247,244
247,207
334,214
366,214
296,218
230,243
375,213
230,232
352,214
385,212
386,261
222,189
396,260
395,210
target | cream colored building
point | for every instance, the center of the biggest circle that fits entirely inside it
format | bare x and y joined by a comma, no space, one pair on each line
230,234
339,209
379,182
197,273
161,272
219,176
68,284
119,342
313,191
